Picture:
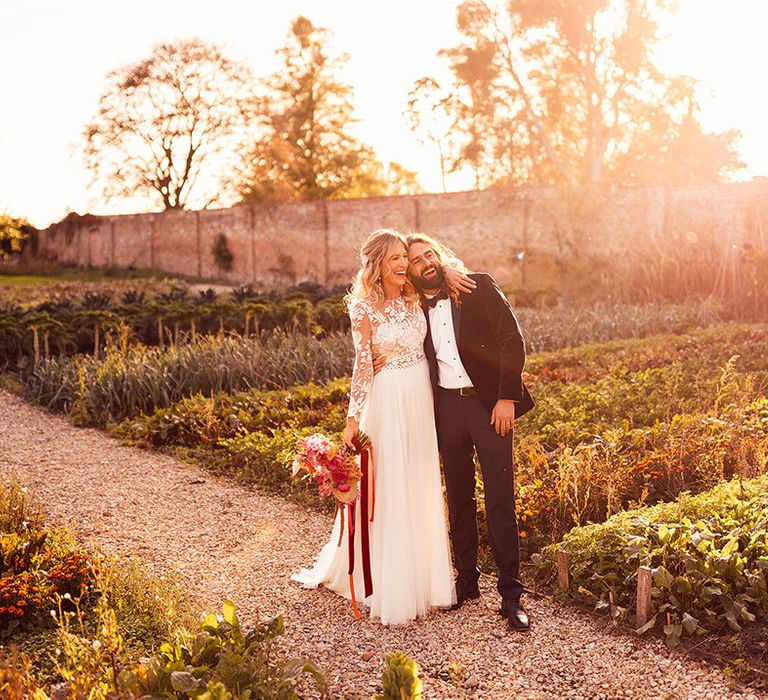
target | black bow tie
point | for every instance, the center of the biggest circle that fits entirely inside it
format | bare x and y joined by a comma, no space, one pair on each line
430,303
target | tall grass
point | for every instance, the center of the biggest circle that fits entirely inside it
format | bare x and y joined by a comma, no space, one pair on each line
552,329
141,380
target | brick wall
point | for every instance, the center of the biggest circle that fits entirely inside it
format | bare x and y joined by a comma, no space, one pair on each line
277,244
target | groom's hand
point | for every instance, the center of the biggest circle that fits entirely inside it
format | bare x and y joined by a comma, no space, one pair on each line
378,363
503,416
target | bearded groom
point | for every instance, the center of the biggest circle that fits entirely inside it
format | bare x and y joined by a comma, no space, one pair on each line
476,356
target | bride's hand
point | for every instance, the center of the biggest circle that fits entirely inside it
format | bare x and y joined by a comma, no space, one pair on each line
350,431
457,281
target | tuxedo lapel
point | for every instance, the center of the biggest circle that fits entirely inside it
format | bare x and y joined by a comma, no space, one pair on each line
456,314
429,346
429,352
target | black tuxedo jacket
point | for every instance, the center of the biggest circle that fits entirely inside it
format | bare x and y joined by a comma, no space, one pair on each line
490,345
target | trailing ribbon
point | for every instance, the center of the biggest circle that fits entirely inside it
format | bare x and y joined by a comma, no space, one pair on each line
364,518
351,508
366,490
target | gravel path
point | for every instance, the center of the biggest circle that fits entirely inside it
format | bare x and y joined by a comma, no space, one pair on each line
230,542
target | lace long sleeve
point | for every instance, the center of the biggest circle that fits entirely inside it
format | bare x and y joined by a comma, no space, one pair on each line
362,374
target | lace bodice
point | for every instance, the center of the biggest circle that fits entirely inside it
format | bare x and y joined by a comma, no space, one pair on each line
396,331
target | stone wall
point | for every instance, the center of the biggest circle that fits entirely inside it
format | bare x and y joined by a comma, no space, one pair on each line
279,244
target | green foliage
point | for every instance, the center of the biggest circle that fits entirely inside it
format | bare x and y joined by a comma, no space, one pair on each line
67,325
400,679
141,380
208,419
221,661
306,149
125,633
615,424
639,421
96,320
708,553
148,607
548,329
14,235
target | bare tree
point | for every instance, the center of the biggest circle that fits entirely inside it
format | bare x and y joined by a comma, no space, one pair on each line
168,125
429,113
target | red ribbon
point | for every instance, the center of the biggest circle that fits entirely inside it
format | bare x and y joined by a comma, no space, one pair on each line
367,468
364,525
351,508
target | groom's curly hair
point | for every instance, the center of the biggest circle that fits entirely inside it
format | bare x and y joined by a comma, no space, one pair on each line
443,252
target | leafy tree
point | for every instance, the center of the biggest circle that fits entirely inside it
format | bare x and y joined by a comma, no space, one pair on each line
305,149
14,234
678,152
165,123
373,179
565,92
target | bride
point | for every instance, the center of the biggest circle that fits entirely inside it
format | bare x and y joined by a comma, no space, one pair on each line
410,558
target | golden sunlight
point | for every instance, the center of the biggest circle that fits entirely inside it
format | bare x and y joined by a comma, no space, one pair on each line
721,44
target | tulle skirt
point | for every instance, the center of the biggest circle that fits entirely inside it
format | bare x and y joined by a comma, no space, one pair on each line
410,554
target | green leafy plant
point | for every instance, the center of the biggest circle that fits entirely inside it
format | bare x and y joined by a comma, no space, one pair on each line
222,659
400,679
708,554
141,380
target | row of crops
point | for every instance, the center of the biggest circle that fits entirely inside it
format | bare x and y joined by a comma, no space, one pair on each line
648,445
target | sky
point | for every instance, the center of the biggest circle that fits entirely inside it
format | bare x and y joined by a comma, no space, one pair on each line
56,56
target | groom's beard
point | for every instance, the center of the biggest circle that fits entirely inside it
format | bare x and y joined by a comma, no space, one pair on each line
431,279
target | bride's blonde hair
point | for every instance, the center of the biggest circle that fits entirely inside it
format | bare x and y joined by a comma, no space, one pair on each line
367,284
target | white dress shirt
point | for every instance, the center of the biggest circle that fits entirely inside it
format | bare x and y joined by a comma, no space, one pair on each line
450,371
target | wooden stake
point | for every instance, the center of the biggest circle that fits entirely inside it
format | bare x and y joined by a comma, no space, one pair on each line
644,581
563,569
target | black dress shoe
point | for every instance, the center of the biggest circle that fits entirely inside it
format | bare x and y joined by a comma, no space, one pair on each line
517,620
465,590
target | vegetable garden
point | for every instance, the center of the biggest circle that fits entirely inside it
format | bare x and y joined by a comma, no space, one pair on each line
648,445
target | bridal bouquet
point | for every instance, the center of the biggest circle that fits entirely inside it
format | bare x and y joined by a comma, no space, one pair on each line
334,467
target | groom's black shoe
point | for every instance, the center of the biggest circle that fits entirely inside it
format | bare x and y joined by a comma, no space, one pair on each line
517,620
465,590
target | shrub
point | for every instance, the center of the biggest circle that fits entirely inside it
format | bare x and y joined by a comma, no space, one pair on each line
709,555
220,660
120,632
36,564
222,255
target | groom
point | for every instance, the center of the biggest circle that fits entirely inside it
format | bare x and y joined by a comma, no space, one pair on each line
476,355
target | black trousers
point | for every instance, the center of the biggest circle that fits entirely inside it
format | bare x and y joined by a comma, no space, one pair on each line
463,425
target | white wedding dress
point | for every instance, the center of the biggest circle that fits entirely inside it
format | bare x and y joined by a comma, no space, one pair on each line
410,557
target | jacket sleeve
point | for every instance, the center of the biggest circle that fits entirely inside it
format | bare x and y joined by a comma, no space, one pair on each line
508,336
